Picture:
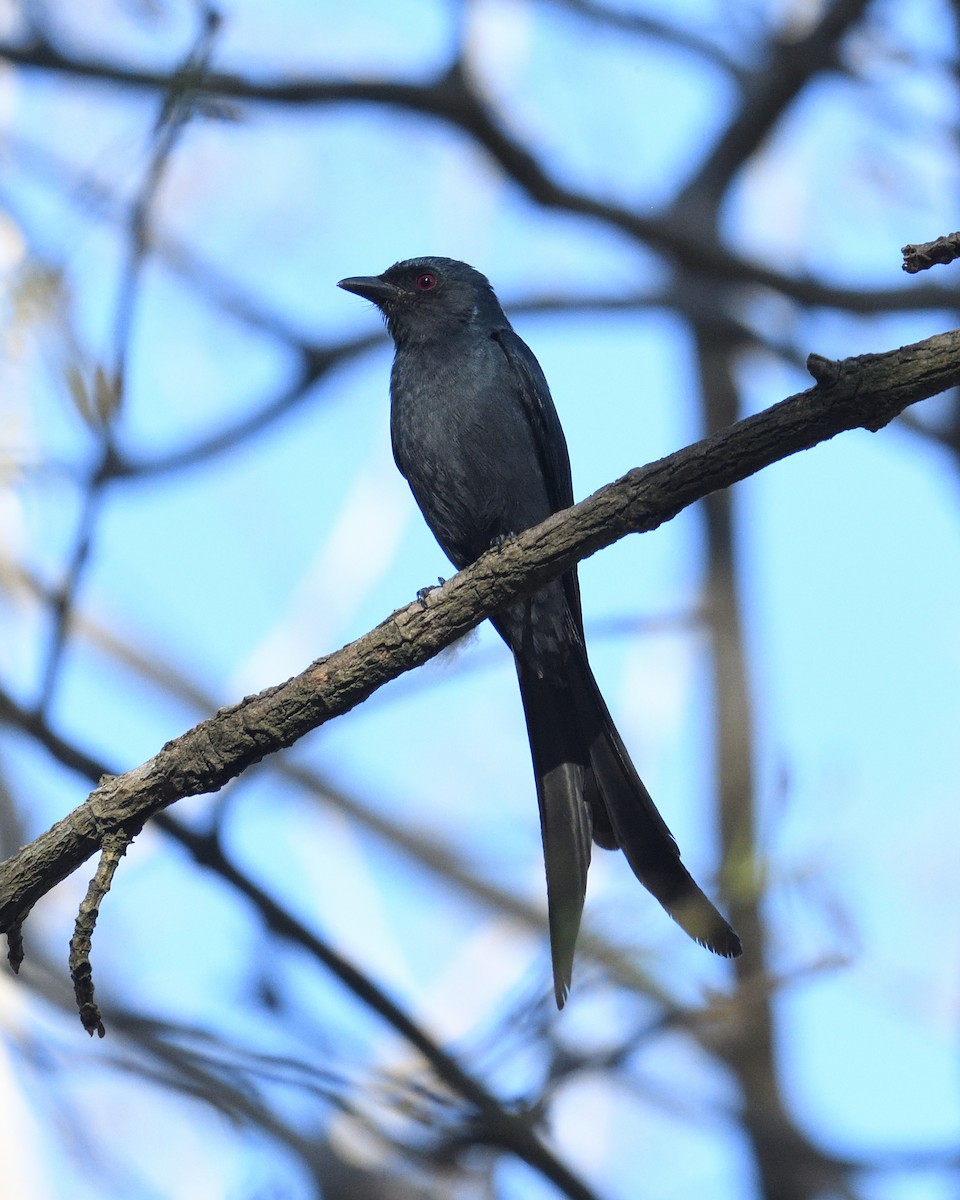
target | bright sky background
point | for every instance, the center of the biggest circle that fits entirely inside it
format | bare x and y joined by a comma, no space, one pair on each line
240,573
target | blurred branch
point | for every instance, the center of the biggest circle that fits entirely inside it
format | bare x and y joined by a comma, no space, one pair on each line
495,1125
176,109
195,1063
864,392
642,26
789,1165
491,1124
767,93
315,365
67,590
453,98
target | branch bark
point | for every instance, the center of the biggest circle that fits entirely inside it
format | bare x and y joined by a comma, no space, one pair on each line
865,392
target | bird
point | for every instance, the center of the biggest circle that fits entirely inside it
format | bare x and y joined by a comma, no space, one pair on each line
475,432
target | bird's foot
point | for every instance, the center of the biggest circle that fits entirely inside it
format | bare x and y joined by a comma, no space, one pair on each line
424,592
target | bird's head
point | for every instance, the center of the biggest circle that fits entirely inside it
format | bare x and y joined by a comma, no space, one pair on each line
425,298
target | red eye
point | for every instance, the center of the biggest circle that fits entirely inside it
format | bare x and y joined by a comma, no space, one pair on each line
426,281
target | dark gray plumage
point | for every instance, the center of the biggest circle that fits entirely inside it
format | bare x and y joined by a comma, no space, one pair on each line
477,437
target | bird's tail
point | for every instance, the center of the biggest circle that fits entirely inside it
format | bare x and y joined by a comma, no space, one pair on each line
638,828
561,765
589,789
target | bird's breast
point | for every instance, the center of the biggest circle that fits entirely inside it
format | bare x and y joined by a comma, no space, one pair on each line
461,438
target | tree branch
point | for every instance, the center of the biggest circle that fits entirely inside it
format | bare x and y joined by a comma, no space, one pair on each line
923,255
864,392
452,97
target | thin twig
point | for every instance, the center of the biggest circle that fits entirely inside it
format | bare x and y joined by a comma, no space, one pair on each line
15,946
114,847
923,255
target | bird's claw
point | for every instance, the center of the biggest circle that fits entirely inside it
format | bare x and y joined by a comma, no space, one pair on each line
424,592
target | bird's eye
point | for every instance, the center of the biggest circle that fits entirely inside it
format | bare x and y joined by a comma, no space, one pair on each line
426,281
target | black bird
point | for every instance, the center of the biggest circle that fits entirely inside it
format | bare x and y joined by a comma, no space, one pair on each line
478,439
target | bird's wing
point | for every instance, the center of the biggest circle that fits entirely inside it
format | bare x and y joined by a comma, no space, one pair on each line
548,438
538,407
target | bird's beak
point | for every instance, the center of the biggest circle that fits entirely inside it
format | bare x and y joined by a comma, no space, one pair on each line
370,287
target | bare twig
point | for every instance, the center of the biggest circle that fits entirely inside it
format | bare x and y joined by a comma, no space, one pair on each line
114,847
176,108
767,94
15,946
923,255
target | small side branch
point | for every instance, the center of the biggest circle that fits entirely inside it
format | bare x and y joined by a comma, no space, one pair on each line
15,946
924,255
114,847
